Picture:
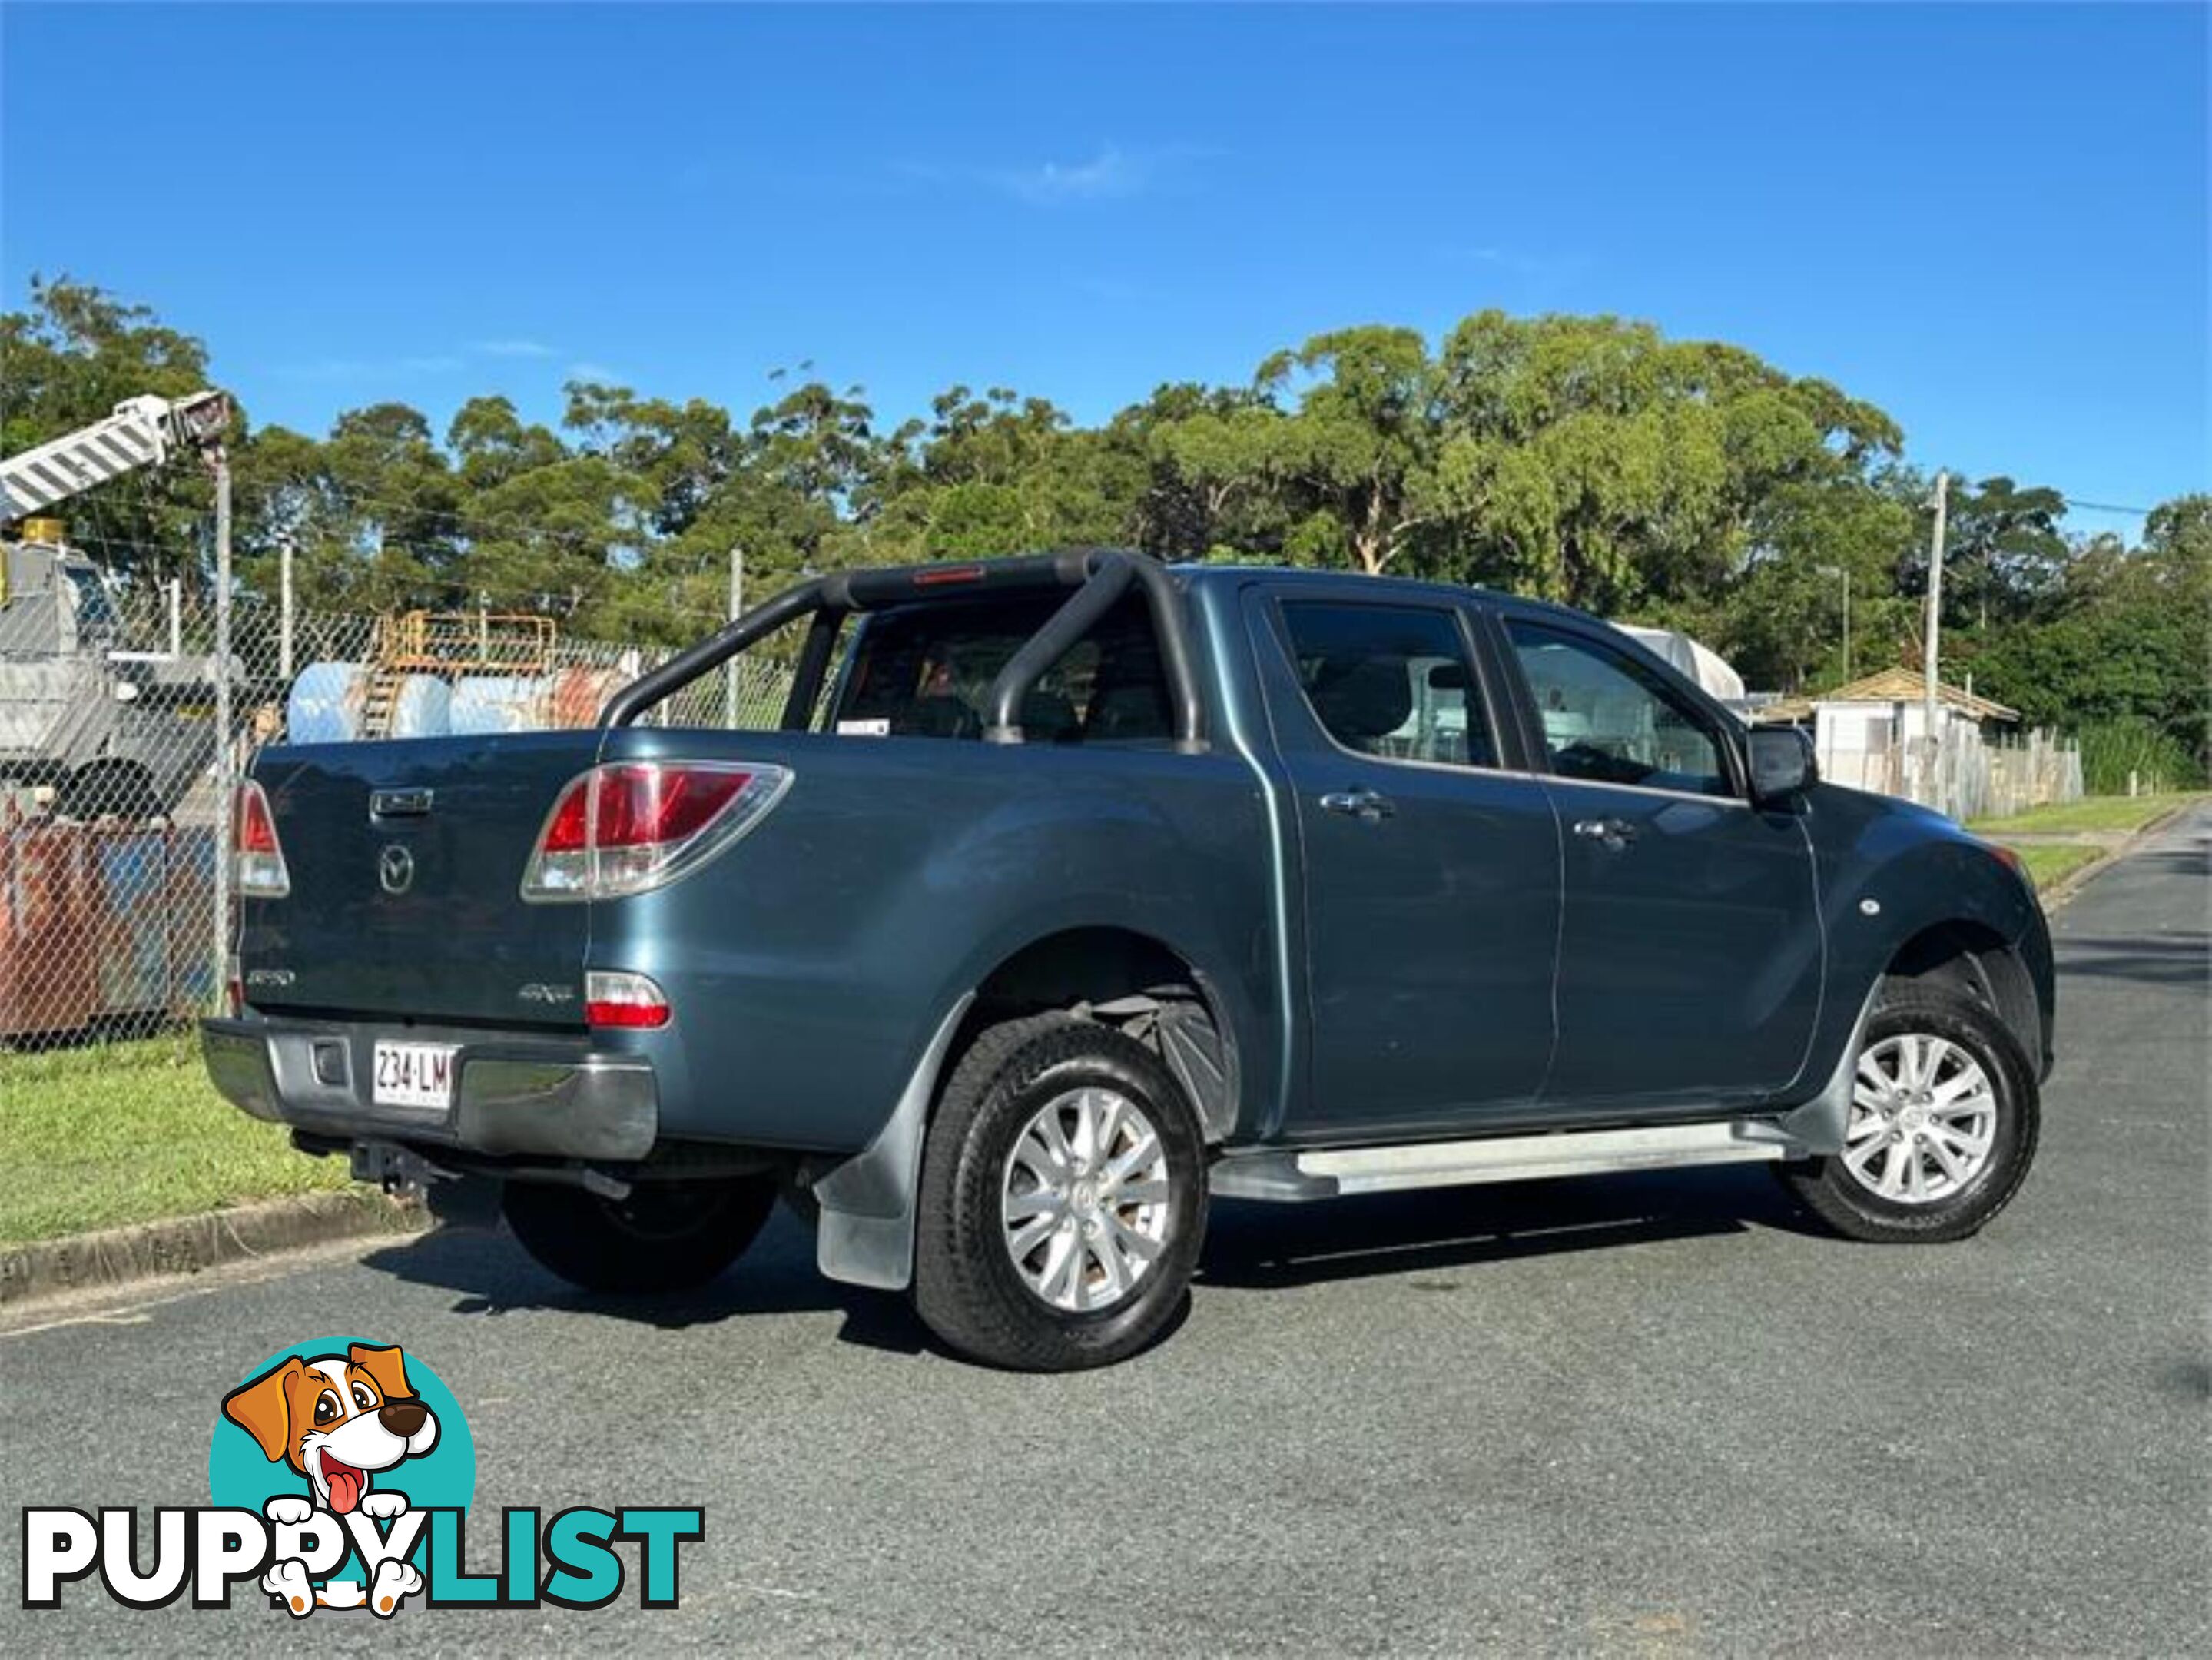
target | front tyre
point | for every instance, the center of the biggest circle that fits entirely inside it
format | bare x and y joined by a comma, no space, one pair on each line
1062,1198
661,1237
1942,1128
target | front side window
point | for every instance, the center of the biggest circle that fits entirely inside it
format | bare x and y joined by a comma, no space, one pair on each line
1610,720
1391,681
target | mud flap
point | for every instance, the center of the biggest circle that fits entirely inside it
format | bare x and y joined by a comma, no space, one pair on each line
1817,1126
866,1233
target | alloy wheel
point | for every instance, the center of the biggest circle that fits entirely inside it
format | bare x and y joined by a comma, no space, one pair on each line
1085,1201
1924,1119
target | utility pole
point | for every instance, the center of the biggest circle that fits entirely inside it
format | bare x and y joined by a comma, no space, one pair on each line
1847,625
1841,573
225,739
284,610
1929,643
737,609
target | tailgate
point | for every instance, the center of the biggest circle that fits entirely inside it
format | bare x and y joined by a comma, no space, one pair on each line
415,910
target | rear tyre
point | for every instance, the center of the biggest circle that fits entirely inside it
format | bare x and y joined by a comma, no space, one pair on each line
798,1199
664,1236
1942,1128
1062,1203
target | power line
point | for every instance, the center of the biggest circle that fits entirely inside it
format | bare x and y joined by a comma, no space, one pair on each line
2107,507
466,524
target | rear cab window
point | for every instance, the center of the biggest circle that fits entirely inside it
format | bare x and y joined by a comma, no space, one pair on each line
925,671
1391,681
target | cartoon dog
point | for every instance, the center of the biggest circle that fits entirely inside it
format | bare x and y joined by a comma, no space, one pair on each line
338,1419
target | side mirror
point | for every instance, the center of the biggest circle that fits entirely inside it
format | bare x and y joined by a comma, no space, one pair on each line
1783,762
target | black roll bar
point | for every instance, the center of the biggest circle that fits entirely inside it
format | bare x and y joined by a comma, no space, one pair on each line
1100,576
1002,720
813,663
717,649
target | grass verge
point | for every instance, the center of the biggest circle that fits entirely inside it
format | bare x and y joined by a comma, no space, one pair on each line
2091,812
94,1138
2052,862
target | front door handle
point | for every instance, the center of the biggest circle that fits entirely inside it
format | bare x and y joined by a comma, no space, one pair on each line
1614,832
1370,806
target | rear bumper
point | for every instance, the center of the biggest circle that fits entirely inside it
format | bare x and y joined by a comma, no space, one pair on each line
512,1095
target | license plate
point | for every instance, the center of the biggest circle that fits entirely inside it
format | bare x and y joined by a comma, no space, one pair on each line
413,1074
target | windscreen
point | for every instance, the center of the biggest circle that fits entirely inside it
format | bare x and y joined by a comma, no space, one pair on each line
93,609
926,672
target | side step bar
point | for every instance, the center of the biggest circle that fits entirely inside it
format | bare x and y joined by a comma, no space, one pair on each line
1292,1175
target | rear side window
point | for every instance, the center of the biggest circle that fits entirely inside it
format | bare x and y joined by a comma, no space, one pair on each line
1391,681
1609,719
926,672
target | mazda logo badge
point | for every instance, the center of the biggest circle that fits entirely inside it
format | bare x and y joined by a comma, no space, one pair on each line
395,868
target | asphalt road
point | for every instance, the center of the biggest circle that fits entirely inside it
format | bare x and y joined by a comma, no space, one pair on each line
1645,1416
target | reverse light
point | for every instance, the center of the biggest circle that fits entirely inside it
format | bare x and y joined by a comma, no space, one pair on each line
616,998
631,826
257,858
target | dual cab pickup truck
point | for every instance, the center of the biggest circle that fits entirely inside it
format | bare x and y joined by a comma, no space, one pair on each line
1072,889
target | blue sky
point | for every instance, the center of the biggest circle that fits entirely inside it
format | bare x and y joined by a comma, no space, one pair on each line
1990,219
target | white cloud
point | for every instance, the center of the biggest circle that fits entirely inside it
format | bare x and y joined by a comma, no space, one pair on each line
371,369
1113,174
1518,261
414,365
599,372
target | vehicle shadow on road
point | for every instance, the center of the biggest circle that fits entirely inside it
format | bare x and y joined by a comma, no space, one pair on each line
1249,1246
2180,957
1258,1246
496,1277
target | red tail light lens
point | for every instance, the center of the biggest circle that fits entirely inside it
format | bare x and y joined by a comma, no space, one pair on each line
570,829
617,998
630,826
257,857
644,806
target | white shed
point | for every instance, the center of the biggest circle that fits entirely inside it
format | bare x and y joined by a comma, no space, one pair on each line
1868,732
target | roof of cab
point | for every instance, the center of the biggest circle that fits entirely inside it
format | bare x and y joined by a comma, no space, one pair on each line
1339,581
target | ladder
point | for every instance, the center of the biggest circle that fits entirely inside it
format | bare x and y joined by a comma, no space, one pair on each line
382,703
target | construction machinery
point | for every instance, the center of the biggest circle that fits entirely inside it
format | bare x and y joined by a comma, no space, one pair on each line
88,728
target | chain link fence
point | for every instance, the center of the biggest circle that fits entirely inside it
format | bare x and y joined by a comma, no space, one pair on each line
116,767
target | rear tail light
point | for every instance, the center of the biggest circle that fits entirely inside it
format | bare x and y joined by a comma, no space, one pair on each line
615,999
257,858
633,825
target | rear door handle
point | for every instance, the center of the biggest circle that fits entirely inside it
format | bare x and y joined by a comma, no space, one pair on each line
1368,806
1614,832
